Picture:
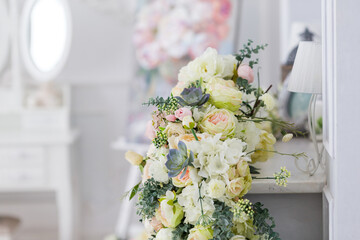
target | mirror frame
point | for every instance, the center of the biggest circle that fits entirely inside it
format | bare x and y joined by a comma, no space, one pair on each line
29,64
5,18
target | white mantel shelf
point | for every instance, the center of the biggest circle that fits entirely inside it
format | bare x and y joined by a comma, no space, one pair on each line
299,182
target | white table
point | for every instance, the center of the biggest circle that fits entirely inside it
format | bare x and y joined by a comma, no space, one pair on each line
299,182
40,163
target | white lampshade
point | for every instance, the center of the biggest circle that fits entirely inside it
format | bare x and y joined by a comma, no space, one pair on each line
306,74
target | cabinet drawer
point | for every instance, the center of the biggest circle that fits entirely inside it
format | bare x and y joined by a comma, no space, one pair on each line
21,157
22,166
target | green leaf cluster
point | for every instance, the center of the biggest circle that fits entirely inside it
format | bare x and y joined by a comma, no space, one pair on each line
163,104
223,223
246,87
149,196
160,139
263,222
247,52
181,231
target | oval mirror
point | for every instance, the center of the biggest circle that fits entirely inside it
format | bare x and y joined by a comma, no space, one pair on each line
45,40
4,34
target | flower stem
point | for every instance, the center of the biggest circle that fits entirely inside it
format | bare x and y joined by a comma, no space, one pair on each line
295,155
193,132
200,199
263,177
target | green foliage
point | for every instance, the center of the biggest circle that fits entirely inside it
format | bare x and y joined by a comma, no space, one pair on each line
149,196
134,191
247,52
245,86
169,104
222,221
160,139
181,231
263,222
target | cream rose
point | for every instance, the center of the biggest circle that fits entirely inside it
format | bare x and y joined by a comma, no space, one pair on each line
174,129
232,173
265,146
242,168
219,121
235,187
208,65
200,233
224,94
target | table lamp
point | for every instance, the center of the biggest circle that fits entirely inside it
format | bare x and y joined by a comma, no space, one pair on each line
306,77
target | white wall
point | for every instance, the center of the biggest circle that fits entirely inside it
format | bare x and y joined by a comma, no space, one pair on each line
99,68
344,164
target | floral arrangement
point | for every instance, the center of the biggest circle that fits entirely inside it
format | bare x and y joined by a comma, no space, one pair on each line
172,30
205,136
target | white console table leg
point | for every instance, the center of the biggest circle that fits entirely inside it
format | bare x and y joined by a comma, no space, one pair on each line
65,192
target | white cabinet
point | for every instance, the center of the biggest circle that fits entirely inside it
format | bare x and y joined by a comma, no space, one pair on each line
40,162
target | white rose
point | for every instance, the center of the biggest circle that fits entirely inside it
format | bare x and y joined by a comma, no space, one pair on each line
268,100
230,65
209,64
216,188
164,234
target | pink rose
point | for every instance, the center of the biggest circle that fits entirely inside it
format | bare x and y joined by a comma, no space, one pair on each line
246,72
150,131
183,112
171,118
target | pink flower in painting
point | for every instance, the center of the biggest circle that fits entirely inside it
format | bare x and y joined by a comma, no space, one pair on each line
221,10
246,72
183,112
